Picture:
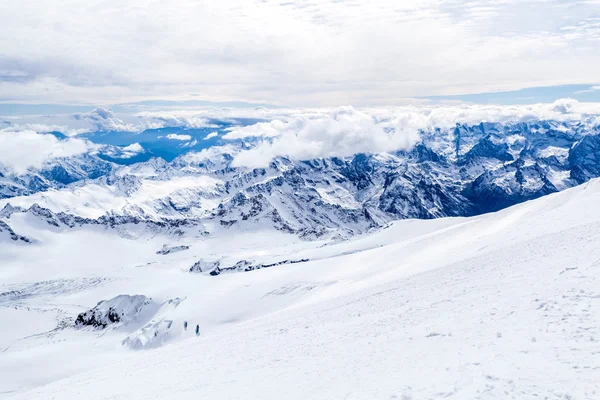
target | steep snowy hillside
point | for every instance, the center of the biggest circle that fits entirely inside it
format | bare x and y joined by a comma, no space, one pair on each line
464,171
503,305
53,175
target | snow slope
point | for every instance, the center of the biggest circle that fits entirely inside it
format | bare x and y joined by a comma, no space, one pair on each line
503,305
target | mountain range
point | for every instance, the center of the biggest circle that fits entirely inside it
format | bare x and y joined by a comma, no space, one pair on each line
465,171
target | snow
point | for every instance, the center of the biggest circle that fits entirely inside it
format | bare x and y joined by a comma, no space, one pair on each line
338,196
122,309
503,305
559,178
155,189
94,200
559,152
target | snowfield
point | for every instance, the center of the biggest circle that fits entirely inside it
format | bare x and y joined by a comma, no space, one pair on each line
500,306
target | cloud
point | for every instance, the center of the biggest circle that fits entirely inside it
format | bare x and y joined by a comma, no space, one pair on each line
295,133
134,148
346,131
342,133
122,152
591,89
127,151
103,119
175,136
304,53
215,154
45,128
564,106
262,129
161,119
21,150
211,135
190,144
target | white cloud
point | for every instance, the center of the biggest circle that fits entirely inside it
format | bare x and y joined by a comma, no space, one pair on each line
565,106
589,90
343,132
104,119
308,53
161,119
190,144
122,152
346,131
134,148
20,150
216,154
62,123
262,129
125,152
175,136
44,128
295,133
211,135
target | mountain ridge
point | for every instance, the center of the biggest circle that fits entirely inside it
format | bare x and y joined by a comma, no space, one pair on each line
464,171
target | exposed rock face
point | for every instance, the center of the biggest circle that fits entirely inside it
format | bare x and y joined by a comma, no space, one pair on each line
67,220
205,266
6,230
246,266
584,159
118,310
172,249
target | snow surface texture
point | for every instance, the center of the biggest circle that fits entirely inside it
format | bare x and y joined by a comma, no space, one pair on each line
503,305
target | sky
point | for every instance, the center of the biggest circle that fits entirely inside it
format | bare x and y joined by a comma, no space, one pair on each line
310,53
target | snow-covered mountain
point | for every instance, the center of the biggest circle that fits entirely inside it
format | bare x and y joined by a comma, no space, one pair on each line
463,171
54,174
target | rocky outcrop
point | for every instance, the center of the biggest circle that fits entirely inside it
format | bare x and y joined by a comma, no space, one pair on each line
172,249
118,310
247,266
205,266
7,231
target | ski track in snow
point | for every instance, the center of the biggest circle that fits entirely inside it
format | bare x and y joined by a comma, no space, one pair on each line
501,306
